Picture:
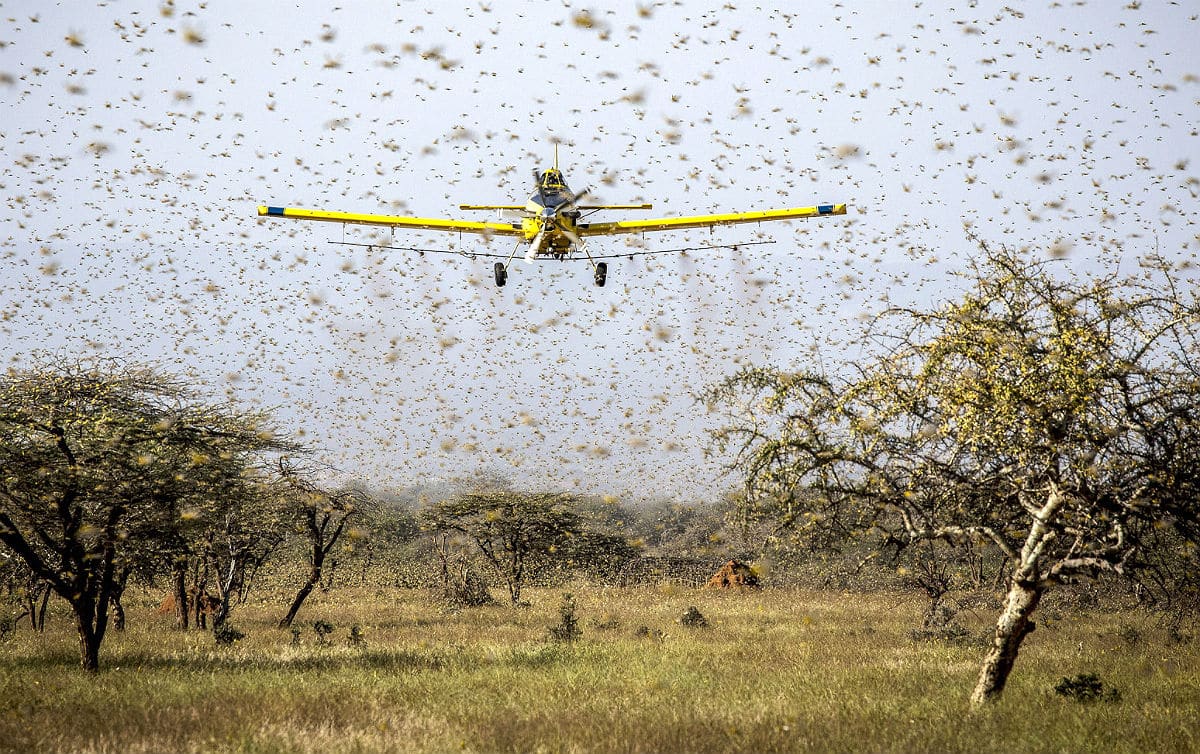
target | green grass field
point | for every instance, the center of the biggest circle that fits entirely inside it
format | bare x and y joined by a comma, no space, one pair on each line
775,671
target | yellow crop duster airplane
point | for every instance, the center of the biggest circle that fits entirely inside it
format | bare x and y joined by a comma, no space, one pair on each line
552,223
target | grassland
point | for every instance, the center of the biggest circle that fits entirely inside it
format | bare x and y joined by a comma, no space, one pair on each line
775,671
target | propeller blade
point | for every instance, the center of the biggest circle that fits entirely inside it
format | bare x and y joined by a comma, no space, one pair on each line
535,247
575,240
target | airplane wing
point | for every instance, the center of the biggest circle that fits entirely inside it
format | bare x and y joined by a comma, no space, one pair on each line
705,221
415,223
587,207
590,207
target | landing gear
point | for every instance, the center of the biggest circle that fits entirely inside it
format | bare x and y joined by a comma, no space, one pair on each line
601,273
502,274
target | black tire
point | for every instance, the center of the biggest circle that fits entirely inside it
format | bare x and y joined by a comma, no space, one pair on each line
501,274
601,273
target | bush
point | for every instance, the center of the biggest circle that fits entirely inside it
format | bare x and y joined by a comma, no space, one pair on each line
323,629
567,629
463,587
693,618
1086,687
226,635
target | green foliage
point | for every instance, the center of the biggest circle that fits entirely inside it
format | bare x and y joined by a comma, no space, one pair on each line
1086,687
567,629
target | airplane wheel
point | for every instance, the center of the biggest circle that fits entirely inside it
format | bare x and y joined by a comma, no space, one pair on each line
601,273
501,274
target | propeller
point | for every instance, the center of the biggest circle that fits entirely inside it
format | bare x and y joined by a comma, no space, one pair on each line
550,215
535,247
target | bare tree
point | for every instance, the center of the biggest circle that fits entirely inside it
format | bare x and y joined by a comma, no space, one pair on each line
1052,421
322,517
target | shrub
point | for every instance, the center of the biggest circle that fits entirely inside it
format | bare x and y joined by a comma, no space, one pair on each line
1086,687
693,618
226,635
1130,634
567,629
463,587
323,629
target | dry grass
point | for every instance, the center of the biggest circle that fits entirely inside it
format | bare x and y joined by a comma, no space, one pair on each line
775,671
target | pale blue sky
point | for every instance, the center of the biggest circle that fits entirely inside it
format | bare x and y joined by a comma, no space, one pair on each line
138,138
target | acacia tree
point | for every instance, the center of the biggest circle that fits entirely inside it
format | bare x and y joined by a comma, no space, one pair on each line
98,463
239,533
516,532
1052,421
321,516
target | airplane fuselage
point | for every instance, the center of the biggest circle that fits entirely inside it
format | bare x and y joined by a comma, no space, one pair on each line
552,216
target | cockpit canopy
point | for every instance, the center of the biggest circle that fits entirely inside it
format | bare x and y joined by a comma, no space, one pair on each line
551,179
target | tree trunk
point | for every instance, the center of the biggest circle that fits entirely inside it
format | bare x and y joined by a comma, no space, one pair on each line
179,589
118,614
314,577
41,615
225,588
1012,627
119,592
89,639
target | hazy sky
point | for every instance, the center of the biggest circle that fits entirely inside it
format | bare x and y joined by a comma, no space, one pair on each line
138,138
